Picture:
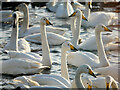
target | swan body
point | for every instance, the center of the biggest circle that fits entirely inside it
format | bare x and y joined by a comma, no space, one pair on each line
15,43
53,39
90,43
21,66
93,61
111,70
52,6
27,55
25,30
95,18
64,10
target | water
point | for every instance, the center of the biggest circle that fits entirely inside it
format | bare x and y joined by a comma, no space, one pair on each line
35,15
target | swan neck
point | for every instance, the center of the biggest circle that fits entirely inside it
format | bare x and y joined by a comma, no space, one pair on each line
77,31
87,11
73,26
14,38
64,68
78,80
45,47
25,25
101,52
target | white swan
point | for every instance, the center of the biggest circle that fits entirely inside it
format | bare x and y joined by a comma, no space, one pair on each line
13,66
21,66
25,30
45,59
52,5
89,58
96,18
64,10
63,80
111,82
15,43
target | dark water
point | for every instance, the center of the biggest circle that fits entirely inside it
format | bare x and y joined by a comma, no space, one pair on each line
35,15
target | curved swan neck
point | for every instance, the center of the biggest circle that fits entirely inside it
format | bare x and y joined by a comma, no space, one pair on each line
25,25
87,11
14,38
45,47
114,84
73,25
64,69
101,52
78,81
77,31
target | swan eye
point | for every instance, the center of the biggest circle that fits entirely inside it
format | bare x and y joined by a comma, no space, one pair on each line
87,83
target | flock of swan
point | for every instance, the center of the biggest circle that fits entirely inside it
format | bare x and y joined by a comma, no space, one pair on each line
23,61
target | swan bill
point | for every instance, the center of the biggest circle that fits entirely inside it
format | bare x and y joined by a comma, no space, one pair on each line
73,48
90,5
91,73
107,86
48,22
73,14
107,29
83,17
89,87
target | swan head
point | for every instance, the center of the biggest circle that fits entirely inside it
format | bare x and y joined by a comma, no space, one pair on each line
15,19
89,3
21,7
68,46
45,21
78,13
89,83
108,80
102,28
86,69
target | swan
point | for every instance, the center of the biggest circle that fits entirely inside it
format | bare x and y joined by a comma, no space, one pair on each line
63,80
110,81
96,18
52,5
45,59
64,10
21,66
15,43
25,30
24,65
90,58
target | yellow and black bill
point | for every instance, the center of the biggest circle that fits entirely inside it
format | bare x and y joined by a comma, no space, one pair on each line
89,87
73,48
107,29
72,15
48,22
107,86
90,5
84,18
91,73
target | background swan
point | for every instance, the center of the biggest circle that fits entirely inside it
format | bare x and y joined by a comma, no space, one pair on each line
91,59
96,18
21,66
26,30
15,43
52,5
111,82
64,10
45,59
